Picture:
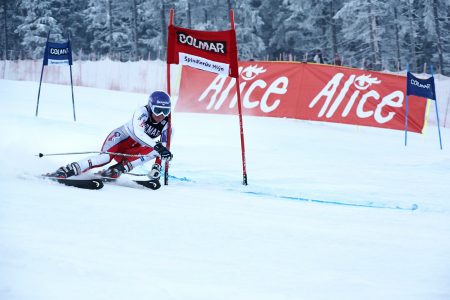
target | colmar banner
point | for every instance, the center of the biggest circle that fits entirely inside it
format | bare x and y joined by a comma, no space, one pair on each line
58,54
213,51
306,92
420,87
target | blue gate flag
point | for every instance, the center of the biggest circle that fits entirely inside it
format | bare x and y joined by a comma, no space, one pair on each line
58,53
420,87
423,88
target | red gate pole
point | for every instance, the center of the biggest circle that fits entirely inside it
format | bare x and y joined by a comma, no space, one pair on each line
169,129
241,127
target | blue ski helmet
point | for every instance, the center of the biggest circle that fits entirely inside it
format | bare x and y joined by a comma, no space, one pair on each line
159,103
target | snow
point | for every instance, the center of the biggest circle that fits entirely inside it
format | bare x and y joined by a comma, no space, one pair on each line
302,229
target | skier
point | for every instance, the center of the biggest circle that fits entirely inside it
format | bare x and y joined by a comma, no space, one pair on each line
137,137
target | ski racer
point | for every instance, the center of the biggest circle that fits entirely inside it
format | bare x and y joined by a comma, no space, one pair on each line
140,136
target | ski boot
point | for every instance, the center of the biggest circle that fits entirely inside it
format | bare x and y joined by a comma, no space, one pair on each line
114,171
70,170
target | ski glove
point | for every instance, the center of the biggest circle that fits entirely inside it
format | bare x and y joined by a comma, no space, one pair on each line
155,172
163,152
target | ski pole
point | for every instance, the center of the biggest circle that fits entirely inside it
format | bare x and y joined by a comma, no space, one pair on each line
92,152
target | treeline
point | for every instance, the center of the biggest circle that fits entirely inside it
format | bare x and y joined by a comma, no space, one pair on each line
373,34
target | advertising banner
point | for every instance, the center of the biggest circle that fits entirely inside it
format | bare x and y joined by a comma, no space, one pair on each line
58,53
212,51
306,92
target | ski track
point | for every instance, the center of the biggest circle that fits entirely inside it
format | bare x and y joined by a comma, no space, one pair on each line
325,214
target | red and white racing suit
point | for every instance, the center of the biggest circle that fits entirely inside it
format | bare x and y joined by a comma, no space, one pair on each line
138,136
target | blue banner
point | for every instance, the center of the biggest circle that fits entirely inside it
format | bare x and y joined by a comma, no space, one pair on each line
58,53
420,87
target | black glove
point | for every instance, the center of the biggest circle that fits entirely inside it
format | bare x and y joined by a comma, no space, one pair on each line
163,152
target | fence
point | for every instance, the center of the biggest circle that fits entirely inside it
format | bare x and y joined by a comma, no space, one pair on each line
140,76
144,76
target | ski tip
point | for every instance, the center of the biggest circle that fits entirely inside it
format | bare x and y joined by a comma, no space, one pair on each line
90,184
151,184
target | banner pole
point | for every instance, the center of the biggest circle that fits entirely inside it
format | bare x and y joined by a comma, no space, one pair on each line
407,100
437,114
73,100
169,128
406,121
241,127
439,129
42,73
71,80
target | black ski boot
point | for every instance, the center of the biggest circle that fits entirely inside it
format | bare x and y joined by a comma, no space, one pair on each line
66,172
116,170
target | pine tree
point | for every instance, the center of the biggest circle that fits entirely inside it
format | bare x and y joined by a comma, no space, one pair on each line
320,28
36,25
436,29
363,30
7,23
248,25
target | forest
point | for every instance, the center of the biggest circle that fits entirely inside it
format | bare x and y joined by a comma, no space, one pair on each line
371,34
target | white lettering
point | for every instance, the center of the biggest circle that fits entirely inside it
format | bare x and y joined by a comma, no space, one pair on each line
278,87
234,100
360,110
384,111
220,92
350,103
212,46
418,84
388,101
59,51
203,63
215,87
257,84
224,94
340,97
328,91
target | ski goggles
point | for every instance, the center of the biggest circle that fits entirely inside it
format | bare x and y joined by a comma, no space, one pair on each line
160,110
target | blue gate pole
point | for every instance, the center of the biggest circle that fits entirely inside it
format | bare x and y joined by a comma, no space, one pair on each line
39,91
73,100
42,73
71,82
437,114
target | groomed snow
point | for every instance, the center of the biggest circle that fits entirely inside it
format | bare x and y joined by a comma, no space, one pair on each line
211,237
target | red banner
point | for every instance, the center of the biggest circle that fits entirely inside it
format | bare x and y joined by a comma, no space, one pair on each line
213,51
307,92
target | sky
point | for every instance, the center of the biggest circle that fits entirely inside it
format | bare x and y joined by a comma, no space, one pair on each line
331,211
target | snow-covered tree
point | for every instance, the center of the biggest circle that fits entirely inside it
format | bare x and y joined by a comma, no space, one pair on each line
248,26
437,30
9,19
385,33
109,24
363,30
36,25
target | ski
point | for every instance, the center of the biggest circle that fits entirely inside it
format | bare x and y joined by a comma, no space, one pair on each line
151,184
89,184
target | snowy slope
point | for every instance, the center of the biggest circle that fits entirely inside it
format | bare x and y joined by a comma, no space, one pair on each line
302,229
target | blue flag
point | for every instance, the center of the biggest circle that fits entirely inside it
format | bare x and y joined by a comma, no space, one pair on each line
58,53
420,87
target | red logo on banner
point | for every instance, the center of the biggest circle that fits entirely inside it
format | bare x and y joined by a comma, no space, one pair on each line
307,92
